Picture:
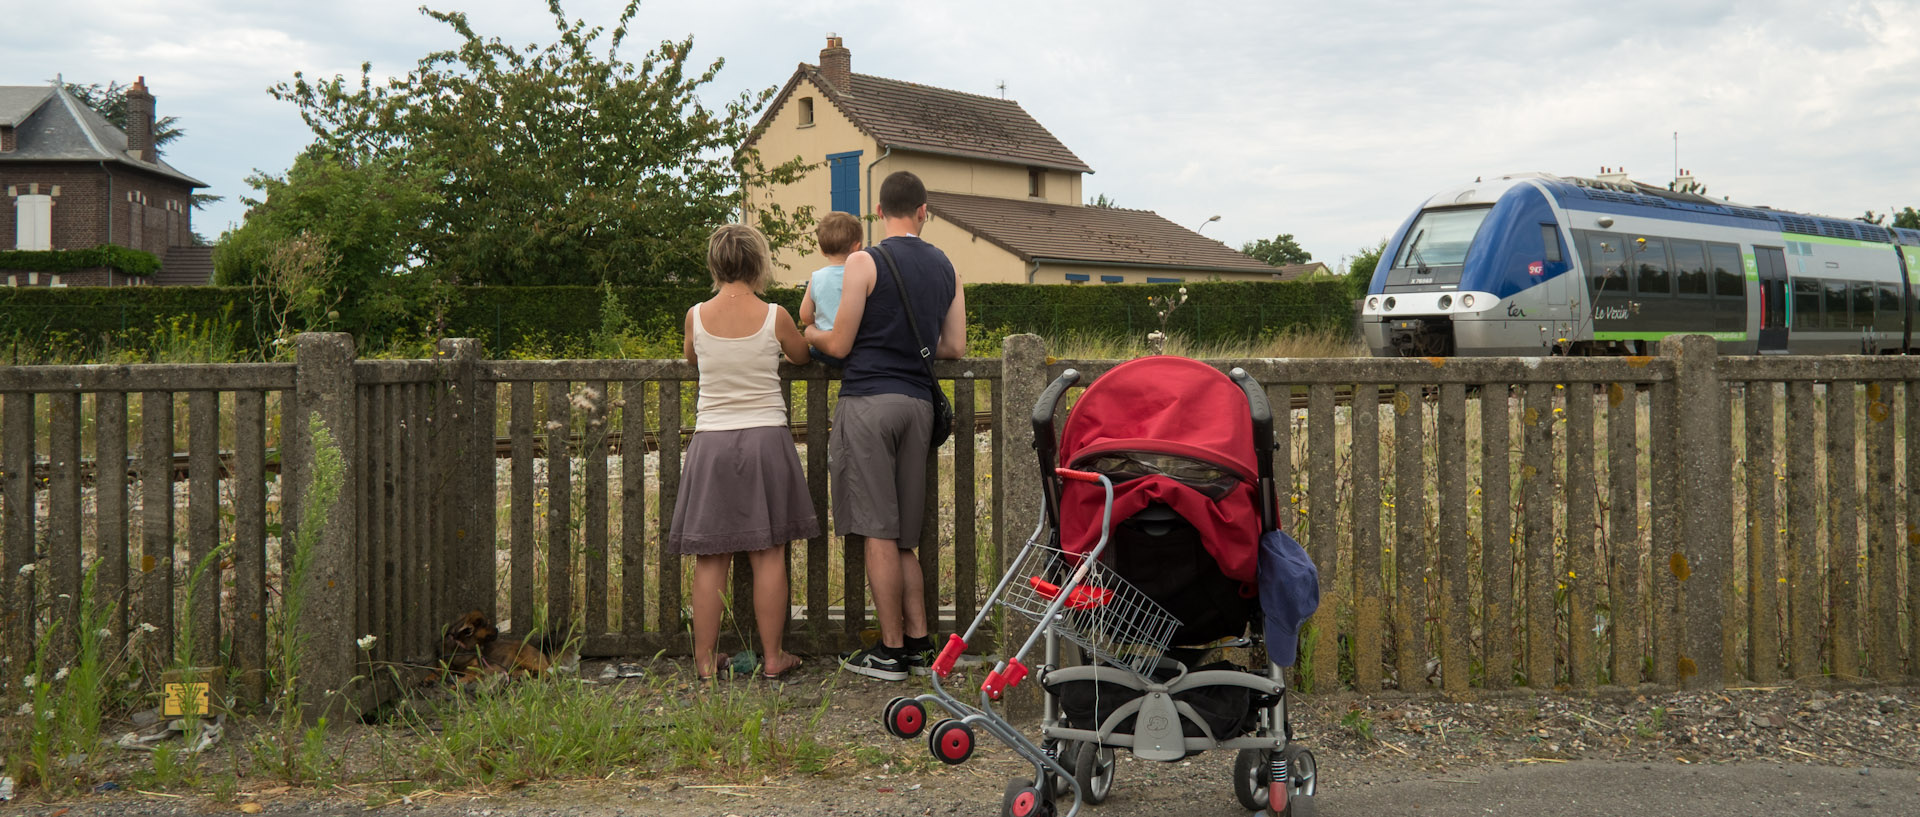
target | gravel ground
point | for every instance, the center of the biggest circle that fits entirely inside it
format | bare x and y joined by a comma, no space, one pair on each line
1815,750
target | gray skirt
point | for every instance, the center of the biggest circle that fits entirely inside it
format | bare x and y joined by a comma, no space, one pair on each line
741,490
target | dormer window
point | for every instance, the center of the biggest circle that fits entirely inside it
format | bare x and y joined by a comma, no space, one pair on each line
806,111
1036,183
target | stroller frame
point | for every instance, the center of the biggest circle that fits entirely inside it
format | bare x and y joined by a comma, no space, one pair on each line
1123,635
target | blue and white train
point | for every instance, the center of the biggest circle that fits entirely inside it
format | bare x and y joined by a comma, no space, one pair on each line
1533,264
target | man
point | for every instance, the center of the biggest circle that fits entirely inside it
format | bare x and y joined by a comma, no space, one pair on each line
884,419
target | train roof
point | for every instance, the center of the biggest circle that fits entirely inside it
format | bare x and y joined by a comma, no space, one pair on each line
1634,198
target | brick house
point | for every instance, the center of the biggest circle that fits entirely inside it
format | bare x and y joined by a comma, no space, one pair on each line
72,182
1004,193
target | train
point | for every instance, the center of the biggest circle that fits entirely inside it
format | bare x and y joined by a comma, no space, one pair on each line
1532,264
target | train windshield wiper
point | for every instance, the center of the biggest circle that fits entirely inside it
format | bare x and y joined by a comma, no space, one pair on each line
1420,263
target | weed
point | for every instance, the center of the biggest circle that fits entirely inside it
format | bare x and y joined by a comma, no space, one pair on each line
1357,721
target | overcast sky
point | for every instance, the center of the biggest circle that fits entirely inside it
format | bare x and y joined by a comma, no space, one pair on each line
1331,121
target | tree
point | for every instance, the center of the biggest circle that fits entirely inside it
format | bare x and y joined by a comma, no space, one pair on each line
328,229
1360,268
552,164
1102,201
1279,251
1908,218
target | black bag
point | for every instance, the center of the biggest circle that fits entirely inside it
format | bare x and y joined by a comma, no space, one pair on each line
942,410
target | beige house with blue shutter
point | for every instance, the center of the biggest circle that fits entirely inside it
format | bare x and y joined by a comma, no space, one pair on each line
1005,194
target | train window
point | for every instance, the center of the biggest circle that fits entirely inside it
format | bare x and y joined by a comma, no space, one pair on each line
1889,303
1727,280
1690,268
1806,303
1650,275
1836,302
1550,239
1862,305
1441,237
1606,263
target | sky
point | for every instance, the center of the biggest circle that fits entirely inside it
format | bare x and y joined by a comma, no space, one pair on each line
1329,121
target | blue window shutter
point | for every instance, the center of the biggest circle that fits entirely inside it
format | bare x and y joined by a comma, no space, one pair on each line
1165,280
844,175
1078,277
1112,279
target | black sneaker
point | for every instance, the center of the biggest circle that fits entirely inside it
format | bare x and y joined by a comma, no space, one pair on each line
873,662
919,662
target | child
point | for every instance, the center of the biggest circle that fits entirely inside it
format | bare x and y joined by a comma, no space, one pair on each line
741,488
839,237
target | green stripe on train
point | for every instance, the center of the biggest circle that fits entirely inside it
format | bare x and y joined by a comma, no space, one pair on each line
1840,242
1662,335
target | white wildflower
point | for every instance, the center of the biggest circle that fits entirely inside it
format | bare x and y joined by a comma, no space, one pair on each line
30,681
25,709
27,569
148,628
61,675
103,633
366,642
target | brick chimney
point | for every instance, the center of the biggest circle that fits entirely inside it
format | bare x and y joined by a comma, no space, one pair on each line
836,64
140,122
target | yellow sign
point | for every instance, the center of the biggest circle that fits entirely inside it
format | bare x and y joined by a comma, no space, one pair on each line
177,700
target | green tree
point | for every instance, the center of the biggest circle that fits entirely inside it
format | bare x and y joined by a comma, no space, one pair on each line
1102,201
1360,268
329,229
1279,251
554,164
1908,218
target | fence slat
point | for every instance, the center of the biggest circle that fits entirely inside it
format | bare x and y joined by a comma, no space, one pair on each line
486,500
819,548
1912,391
110,523
1454,581
1625,559
1883,568
1803,535
249,542
1843,532
520,575
1322,542
425,589
633,507
559,425
1579,576
380,527
203,522
669,620
1409,539
156,517
1496,534
17,626
966,511
1663,528
1369,603
1763,572
1537,489
596,508
63,521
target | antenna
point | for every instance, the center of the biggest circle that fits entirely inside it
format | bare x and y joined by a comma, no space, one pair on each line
1676,154
1002,85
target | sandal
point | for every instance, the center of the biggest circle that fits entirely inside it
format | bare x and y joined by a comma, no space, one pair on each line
785,675
724,672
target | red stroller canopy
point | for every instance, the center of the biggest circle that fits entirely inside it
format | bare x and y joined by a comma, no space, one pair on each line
1174,406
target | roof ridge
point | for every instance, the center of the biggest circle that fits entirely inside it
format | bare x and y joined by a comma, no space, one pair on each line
1004,100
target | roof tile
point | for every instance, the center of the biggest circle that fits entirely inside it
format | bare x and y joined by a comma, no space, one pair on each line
1066,232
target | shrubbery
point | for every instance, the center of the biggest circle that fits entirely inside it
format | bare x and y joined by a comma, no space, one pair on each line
112,256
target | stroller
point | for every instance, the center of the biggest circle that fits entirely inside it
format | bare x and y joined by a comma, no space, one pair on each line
1150,555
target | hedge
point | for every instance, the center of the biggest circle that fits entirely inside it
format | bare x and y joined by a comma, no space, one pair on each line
565,318
127,261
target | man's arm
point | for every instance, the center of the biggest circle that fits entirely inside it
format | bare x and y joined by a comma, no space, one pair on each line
953,327
858,284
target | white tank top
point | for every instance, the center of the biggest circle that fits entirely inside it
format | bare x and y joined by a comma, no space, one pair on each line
739,378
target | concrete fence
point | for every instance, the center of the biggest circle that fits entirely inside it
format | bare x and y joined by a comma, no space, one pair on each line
1683,520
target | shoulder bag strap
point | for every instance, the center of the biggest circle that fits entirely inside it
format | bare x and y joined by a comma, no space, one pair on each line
900,287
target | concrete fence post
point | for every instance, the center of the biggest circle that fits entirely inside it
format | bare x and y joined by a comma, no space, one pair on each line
466,454
324,385
1703,561
1023,375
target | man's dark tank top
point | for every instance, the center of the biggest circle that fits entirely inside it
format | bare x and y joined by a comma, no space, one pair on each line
885,357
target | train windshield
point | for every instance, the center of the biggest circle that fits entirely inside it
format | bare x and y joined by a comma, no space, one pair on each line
1441,237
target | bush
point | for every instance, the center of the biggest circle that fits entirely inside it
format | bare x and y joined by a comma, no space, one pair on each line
112,256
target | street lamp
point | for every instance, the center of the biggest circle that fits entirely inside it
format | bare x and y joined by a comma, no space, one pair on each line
1203,224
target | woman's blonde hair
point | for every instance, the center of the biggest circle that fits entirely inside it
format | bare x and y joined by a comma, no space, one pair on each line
738,253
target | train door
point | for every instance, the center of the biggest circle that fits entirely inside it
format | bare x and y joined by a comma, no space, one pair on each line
1607,283
1772,264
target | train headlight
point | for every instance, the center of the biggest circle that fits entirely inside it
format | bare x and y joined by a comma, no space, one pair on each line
1389,304
1466,301
1373,303
1446,302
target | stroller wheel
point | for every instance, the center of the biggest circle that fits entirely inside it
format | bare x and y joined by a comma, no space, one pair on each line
1023,800
1093,767
904,718
1250,779
1065,754
951,742
1304,778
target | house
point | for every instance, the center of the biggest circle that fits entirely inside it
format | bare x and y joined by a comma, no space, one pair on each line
1004,193
73,182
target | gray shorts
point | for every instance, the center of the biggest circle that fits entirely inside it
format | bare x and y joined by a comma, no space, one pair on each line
878,460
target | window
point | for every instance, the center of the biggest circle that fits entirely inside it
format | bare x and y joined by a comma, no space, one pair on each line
1890,303
1036,183
33,226
806,111
1441,238
1650,276
1727,280
1076,277
1862,305
1606,263
1165,280
1806,303
1690,268
1550,241
1112,279
1836,302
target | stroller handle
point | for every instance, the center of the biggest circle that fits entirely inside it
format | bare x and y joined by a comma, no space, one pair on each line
1078,476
